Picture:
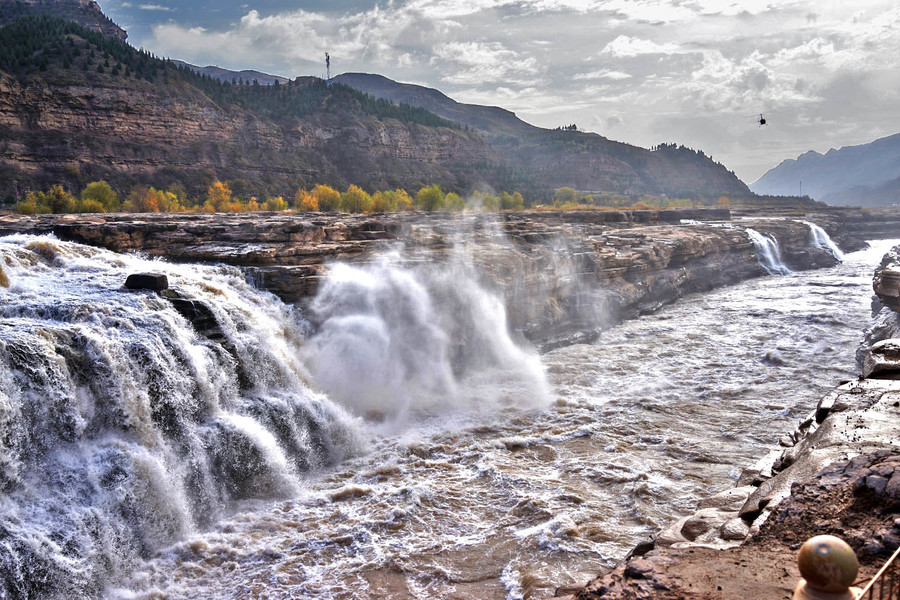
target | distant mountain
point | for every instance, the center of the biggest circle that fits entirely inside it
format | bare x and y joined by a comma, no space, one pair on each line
86,13
246,76
555,158
864,175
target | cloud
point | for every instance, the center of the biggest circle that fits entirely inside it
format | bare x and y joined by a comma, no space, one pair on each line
632,66
158,7
469,63
627,46
602,74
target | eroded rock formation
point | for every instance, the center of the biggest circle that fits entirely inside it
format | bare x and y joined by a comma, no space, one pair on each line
563,274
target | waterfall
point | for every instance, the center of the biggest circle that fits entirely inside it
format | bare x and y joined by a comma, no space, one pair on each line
397,337
820,239
129,419
767,252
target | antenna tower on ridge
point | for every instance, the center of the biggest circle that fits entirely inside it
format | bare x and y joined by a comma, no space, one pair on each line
327,69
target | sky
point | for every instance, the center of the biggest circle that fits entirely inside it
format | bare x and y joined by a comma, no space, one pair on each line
825,74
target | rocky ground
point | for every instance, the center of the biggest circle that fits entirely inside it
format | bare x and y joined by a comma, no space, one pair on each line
838,473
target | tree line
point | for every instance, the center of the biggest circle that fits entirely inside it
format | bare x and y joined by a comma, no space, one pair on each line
100,197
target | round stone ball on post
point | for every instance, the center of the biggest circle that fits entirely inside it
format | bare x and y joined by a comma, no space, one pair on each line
829,567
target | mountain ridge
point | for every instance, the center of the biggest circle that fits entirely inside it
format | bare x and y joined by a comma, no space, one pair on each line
860,174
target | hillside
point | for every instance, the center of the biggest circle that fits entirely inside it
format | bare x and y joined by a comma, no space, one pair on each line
86,13
247,75
854,175
586,161
78,105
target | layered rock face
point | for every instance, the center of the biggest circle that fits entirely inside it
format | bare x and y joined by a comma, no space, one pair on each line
564,274
100,127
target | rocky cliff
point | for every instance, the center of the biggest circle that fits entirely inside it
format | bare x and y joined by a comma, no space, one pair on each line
86,107
564,274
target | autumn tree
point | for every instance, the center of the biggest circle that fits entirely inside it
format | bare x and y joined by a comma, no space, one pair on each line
305,202
277,204
329,199
54,200
218,196
142,199
99,194
430,198
356,200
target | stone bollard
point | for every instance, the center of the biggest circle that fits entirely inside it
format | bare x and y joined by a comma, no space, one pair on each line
829,567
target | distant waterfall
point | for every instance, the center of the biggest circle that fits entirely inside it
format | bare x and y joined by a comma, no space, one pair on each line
130,418
768,253
820,239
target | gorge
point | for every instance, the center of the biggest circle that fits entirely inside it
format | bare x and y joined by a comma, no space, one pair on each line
391,431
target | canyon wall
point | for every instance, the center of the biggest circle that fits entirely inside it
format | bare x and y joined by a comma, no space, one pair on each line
564,275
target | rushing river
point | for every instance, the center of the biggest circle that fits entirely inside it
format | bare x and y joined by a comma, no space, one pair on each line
439,458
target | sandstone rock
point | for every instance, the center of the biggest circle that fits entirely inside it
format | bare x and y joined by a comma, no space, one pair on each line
729,500
893,488
882,359
876,483
734,530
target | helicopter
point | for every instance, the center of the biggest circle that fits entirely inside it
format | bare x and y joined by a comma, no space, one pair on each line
761,120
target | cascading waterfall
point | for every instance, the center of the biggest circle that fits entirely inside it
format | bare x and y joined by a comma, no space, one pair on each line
768,253
394,339
820,239
129,419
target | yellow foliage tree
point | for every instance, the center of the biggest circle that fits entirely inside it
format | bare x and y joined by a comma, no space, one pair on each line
277,204
356,200
141,200
219,196
328,198
305,202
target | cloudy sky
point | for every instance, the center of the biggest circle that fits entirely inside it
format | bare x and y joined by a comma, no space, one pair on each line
825,73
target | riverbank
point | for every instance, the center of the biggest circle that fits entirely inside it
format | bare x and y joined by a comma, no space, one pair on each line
564,275
838,473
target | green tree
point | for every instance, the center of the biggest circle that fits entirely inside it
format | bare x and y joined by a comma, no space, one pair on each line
565,195
101,193
454,202
430,198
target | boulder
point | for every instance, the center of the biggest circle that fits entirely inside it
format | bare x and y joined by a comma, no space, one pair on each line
882,359
147,281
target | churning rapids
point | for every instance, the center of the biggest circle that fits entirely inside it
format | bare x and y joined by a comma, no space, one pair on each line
392,442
